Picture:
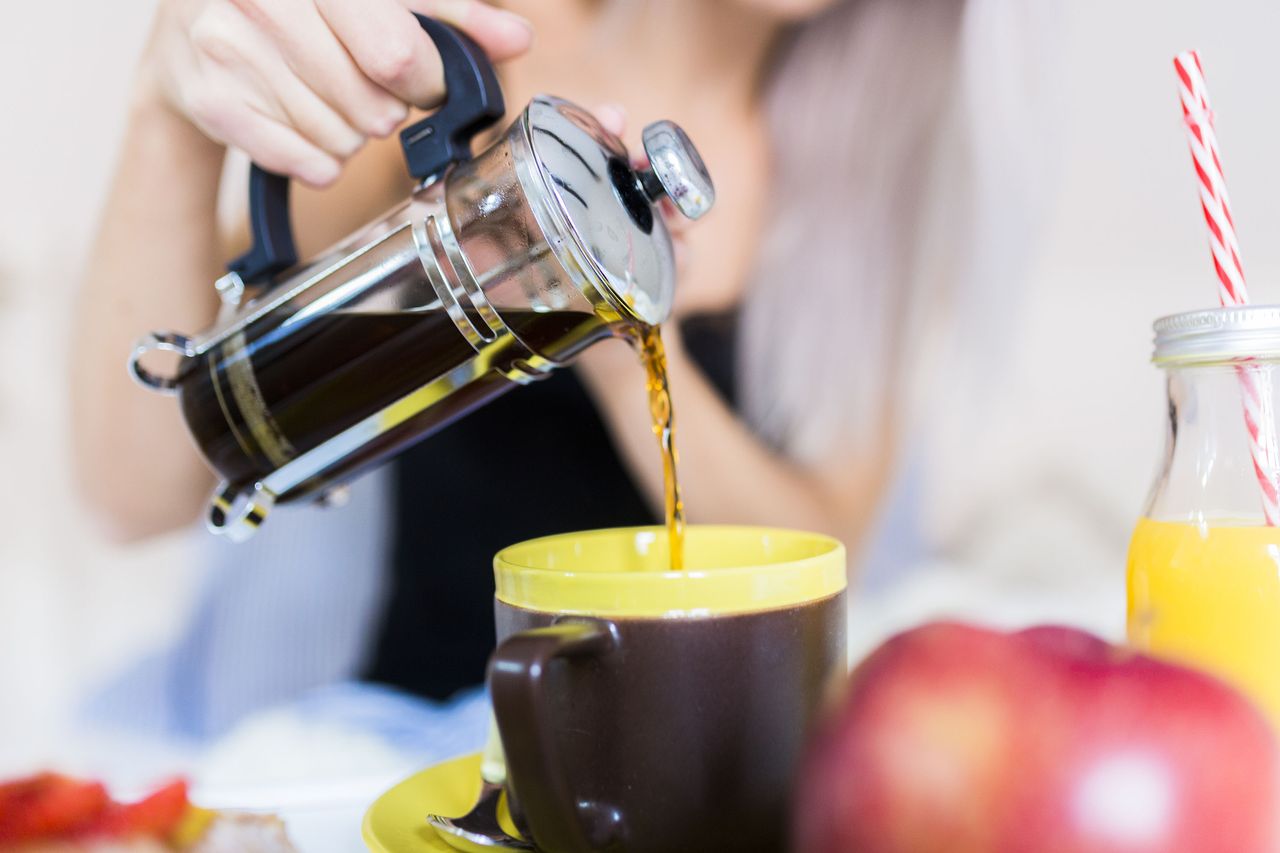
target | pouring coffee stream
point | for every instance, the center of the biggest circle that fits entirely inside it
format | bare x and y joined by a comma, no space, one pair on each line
497,270
654,357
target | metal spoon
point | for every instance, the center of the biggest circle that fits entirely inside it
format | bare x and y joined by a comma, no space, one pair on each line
478,831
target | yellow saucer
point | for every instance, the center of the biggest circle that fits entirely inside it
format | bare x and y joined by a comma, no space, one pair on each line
397,821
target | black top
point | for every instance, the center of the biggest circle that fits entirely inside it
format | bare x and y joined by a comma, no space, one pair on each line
534,462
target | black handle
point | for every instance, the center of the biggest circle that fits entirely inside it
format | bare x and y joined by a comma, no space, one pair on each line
272,250
473,102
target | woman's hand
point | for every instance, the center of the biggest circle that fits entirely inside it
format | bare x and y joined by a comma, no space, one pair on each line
300,85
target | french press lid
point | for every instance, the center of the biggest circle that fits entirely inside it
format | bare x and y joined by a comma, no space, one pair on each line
605,208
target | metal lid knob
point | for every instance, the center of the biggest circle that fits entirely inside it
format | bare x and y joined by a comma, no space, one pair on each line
676,170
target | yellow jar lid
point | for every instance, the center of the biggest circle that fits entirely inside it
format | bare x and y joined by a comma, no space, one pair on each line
624,572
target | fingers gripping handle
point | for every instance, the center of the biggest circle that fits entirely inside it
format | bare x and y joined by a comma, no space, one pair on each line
517,686
473,102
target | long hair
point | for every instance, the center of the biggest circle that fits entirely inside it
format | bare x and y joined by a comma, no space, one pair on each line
853,101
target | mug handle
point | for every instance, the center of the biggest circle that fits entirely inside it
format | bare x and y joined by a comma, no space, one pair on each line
518,690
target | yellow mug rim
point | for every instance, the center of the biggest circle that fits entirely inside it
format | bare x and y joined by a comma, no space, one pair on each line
792,567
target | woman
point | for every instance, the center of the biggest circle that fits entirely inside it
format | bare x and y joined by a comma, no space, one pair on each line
795,302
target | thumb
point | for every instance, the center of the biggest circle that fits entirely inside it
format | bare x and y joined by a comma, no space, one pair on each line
502,34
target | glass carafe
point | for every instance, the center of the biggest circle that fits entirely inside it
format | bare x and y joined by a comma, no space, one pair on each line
1204,565
496,270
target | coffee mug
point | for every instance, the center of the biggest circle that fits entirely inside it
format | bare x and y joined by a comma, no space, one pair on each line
647,710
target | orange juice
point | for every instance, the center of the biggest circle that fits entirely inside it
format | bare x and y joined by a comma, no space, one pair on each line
1209,596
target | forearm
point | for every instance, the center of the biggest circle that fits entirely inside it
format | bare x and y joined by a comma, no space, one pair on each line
727,474
151,266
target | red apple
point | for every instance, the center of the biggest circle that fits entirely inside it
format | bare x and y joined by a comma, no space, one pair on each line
955,738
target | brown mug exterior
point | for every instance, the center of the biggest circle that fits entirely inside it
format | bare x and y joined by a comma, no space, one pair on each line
657,735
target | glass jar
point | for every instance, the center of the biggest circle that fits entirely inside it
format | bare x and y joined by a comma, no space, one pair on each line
1204,564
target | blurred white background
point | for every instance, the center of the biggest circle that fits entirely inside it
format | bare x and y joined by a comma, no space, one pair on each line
71,608
1039,491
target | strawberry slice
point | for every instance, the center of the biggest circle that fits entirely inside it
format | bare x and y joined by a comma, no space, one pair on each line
48,805
157,815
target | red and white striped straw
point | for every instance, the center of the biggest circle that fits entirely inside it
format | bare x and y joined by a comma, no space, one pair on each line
1255,384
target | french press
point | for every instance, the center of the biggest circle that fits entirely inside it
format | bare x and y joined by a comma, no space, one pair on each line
497,270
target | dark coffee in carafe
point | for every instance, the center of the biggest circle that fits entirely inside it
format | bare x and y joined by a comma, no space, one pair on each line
265,397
